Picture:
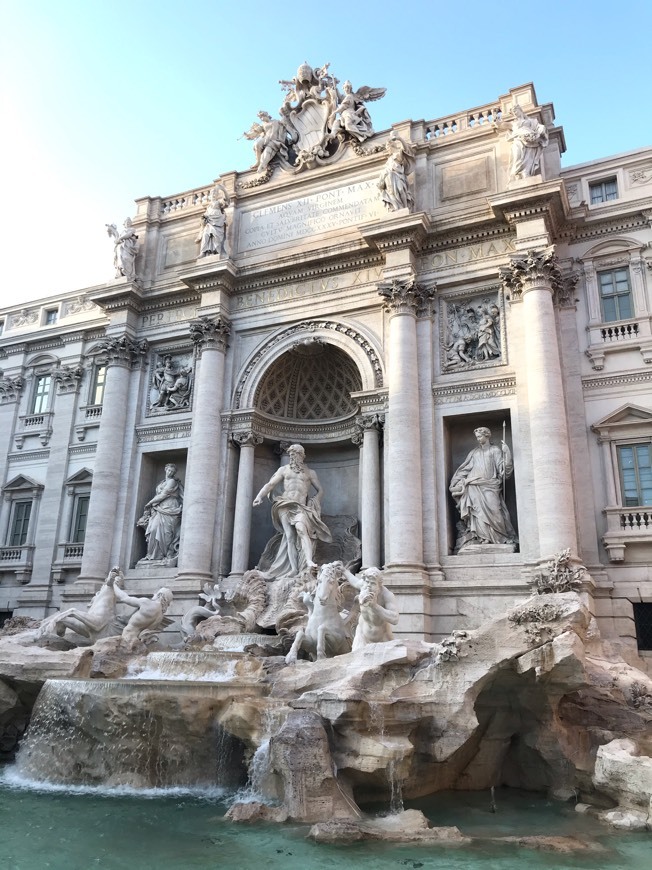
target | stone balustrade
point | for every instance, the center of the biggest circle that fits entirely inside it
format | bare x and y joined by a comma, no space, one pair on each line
464,121
626,526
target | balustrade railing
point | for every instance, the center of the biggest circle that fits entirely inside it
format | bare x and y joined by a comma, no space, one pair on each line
619,331
463,121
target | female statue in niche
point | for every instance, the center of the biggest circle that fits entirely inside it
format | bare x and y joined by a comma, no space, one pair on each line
528,138
477,487
393,181
161,520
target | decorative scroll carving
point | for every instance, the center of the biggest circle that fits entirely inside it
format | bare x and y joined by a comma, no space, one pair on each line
10,388
121,350
532,269
406,296
472,332
78,306
207,332
24,318
68,378
246,439
171,384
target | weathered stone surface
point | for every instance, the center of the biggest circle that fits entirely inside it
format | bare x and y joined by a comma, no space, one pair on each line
624,773
255,811
22,660
409,826
625,819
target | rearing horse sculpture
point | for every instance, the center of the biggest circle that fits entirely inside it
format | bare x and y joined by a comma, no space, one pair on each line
327,632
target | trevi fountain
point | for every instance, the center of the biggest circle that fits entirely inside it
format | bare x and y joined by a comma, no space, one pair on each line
296,710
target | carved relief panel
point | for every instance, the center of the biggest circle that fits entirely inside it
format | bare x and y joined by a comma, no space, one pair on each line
170,382
472,330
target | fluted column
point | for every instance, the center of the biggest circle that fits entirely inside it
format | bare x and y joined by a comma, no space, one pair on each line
370,501
121,354
202,475
535,278
247,442
404,300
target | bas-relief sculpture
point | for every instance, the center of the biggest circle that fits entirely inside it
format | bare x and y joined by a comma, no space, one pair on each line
528,138
212,237
296,515
393,182
172,385
472,333
161,521
477,487
316,118
125,247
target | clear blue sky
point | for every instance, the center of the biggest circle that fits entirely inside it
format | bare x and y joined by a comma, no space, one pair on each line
105,101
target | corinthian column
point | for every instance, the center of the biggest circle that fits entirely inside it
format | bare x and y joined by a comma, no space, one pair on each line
370,502
202,475
121,354
534,278
244,497
404,300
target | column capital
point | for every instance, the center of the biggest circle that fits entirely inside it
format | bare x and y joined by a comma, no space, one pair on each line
406,296
122,350
246,439
535,269
68,378
10,388
208,332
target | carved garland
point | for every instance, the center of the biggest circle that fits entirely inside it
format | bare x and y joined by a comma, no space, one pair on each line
311,326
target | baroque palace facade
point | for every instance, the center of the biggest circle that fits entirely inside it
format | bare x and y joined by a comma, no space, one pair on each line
375,297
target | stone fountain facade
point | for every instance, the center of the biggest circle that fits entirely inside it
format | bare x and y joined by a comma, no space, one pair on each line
376,297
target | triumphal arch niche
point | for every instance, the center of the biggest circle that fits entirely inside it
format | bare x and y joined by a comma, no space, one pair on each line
305,385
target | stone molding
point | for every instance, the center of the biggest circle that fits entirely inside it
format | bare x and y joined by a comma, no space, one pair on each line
619,381
121,350
289,431
68,378
475,390
165,432
407,296
10,388
210,333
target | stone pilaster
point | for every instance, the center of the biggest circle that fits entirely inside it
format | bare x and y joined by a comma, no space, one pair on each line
370,426
121,353
533,278
210,336
247,442
404,300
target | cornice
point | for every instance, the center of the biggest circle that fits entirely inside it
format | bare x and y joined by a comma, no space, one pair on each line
272,276
164,431
279,429
403,231
618,381
217,275
474,390
587,230
442,241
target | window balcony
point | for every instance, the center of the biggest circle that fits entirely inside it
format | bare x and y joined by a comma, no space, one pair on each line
626,525
39,425
619,335
17,560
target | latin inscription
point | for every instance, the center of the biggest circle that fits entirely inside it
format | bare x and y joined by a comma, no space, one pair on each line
310,215
459,256
168,315
267,296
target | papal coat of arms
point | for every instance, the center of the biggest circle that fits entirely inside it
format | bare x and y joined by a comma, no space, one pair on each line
316,120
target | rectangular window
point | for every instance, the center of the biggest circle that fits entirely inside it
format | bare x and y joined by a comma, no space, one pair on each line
643,623
635,466
79,519
41,394
19,523
615,294
2,326
51,317
99,380
603,191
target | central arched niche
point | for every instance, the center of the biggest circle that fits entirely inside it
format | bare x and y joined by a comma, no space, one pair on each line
309,384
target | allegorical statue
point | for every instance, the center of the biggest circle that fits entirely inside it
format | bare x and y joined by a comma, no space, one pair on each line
528,138
270,137
296,515
478,489
213,231
393,181
378,607
125,246
161,520
149,614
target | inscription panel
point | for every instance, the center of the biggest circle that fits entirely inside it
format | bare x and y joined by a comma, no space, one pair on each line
345,206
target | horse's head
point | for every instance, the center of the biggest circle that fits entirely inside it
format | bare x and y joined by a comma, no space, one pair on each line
328,583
